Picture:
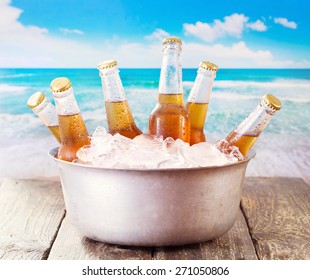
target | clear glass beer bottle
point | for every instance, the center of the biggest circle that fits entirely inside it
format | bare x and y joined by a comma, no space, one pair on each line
73,132
198,100
45,110
247,132
169,117
119,116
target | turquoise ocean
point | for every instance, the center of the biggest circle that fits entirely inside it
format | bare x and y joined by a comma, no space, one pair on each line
283,149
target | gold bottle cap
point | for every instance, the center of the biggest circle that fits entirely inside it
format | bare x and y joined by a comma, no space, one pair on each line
172,40
107,64
60,84
272,101
208,65
35,100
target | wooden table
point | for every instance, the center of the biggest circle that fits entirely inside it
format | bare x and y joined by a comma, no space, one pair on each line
273,223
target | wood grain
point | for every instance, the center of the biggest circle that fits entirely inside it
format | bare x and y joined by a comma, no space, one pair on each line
72,245
30,214
236,244
278,214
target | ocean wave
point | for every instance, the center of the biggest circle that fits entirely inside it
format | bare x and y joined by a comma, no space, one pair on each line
88,91
140,90
278,83
279,155
16,127
21,75
227,95
279,152
188,84
5,88
150,95
28,159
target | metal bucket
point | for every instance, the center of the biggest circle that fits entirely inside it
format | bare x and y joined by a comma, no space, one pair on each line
157,207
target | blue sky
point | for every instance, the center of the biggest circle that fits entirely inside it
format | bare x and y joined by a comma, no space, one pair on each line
236,34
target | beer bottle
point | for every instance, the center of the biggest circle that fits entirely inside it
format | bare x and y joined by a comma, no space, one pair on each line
45,110
73,133
119,117
169,117
247,132
198,100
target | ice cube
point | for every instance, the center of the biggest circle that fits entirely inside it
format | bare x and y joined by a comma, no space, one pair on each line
178,147
85,154
205,154
148,152
99,132
150,142
142,158
123,143
174,161
168,142
230,151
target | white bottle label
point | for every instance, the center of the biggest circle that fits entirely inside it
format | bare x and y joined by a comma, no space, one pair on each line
170,81
202,88
255,122
112,85
65,103
48,115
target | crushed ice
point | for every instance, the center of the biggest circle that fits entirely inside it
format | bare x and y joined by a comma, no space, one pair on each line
148,152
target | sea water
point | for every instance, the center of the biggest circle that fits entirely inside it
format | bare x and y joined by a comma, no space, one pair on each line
283,149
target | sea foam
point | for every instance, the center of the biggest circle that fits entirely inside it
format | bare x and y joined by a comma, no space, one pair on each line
9,89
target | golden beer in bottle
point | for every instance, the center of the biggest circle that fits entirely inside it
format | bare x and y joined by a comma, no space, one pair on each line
198,100
169,117
247,132
45,110
73,132
119,116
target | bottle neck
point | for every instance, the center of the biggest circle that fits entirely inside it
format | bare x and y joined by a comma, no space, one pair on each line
176,99
255,123
112,85
47,113
202,88
171,72
65,103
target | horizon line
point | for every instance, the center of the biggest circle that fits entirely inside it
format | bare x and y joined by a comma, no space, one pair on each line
89,68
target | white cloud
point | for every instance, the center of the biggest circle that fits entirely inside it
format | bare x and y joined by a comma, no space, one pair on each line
235,56
286,23
232,25
71,31
257,26
9,24
32,46
158,35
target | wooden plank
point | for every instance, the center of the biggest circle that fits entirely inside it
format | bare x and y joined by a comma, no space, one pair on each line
235,244
72,245
30,214
278,214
